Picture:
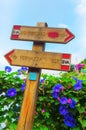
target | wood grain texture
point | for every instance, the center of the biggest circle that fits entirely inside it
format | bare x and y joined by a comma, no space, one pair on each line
37,59
42,34
30,95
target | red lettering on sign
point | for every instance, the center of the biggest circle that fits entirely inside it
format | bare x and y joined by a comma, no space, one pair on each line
53,34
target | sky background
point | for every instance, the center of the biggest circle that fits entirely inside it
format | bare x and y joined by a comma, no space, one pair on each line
69,14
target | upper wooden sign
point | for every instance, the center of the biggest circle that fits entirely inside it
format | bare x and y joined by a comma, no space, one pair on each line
42,34
38,59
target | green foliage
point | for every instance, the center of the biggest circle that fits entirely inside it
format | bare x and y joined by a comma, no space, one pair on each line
47,116
83,61
10,106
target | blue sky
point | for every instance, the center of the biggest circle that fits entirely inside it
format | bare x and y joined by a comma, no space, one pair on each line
69,14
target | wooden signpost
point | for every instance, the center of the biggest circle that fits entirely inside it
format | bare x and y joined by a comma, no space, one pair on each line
36,60
42,34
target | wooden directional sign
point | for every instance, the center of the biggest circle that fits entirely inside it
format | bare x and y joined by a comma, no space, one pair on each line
42,34
38,59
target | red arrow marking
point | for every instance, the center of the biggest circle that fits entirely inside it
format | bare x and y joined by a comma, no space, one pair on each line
53,34
7,56
70,37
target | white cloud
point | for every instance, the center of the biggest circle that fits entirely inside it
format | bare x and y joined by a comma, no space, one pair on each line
80,10
76,58
62,25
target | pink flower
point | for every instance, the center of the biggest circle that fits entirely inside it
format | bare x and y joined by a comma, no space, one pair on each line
62,89
25,80
43,111
35,112
58,98
85,112
69,100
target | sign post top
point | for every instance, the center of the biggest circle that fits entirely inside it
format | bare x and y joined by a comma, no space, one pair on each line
41,33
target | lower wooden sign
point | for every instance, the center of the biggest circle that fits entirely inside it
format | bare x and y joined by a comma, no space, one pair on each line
38,59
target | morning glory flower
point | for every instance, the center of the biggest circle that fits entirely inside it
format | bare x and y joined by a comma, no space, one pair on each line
69,120
8,69
63,110
19,71
57,88
23,87
78,84
11,92
24,68
72,104
42,80
63,100
68,115
55,95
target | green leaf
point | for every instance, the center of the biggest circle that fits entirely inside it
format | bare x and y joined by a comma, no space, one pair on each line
44,128
13,126
81,109
83,123
76,128
47,114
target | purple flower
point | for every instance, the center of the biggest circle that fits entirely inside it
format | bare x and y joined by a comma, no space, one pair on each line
57,88
75,78
63,100
42,80
55,95
19,71
68,115
79,66
8,69
69,120
24,68
63,110
11,92
78,84
23,87
72,104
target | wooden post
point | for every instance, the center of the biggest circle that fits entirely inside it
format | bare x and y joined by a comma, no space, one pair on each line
30,95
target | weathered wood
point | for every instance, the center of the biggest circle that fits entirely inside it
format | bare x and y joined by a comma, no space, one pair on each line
29,101
41,34
38,59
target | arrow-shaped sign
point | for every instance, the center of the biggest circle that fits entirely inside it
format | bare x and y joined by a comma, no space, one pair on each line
42,34
37,59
